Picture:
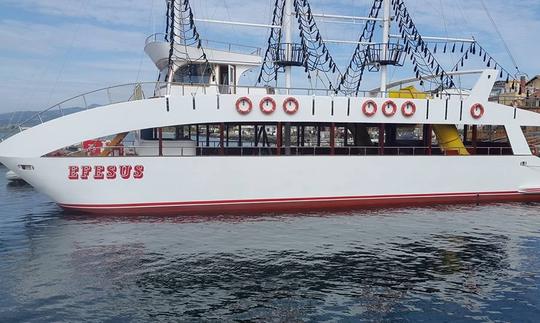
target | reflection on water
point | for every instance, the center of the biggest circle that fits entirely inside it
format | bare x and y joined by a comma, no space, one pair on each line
426,264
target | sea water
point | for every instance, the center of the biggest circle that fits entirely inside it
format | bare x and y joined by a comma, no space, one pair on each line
451,263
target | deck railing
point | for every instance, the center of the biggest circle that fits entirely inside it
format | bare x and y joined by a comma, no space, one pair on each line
133,91
211,44
89,100
132,151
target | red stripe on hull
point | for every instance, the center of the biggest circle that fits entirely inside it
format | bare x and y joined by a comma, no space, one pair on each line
299,204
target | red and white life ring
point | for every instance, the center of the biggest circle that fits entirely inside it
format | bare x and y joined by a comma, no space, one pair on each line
244,105
389,108
369,108
477,111
267,105
408,109
291,105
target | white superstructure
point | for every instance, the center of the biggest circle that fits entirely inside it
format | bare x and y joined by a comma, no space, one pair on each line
198,141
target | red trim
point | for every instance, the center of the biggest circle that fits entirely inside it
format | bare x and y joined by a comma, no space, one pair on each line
239,104
295,204
294,102
408,113
391,104
272,104
477,111
365,106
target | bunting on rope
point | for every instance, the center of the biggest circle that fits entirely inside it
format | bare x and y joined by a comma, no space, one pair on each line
476,50
314,55
181,34
353,75
269,70
424,62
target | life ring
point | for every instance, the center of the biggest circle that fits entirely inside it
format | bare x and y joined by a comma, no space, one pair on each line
244,105
291,105
369,108
389,104
267,105
408,109
477,111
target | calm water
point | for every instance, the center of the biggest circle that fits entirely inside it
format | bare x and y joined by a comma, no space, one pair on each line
431,264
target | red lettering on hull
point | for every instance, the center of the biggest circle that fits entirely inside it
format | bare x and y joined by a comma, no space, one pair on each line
100,172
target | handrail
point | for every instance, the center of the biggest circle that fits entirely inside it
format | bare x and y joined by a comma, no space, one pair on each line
154,38
295,151
83,96
155,86
161,37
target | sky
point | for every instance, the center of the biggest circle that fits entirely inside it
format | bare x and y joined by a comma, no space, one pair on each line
51,50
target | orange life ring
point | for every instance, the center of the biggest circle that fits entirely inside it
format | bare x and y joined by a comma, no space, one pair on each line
291,105
369,104
477,111
389,104
267,105
408,109
244,105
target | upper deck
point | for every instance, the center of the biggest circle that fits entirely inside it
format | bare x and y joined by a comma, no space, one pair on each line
192,105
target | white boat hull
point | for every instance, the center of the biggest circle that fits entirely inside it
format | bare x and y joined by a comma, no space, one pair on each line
12,176
233,184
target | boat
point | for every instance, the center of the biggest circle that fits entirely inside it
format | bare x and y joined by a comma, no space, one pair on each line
203,142
11,176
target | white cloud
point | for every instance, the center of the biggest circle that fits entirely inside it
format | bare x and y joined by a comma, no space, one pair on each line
48,40
83,44
118,12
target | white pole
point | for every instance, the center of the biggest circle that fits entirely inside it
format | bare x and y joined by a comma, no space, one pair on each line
236,23
451,39
287,28
323,15
386,38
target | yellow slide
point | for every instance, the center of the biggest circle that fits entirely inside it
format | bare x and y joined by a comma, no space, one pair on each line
115,143
447,135
449,139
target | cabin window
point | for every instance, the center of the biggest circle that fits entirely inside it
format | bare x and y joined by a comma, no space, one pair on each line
193,73
168,133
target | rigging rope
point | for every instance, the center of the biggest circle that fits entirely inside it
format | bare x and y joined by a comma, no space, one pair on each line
269,70
314,55
182,33
424,61
352,78
500,35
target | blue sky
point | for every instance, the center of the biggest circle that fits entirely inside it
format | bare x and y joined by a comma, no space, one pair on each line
54,49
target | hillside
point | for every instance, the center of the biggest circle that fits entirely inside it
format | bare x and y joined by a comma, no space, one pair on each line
13,119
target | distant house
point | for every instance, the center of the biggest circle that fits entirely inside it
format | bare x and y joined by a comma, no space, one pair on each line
533,87
520,93
508,93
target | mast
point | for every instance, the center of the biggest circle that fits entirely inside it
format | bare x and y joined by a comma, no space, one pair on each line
287,29
386,39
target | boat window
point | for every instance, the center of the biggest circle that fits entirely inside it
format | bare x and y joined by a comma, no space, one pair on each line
193,73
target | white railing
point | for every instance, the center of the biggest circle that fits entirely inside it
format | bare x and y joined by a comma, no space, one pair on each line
129,92
88,100
211,44
132,151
